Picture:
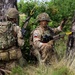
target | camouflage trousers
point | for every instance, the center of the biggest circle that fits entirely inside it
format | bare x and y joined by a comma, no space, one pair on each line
45,55
11,58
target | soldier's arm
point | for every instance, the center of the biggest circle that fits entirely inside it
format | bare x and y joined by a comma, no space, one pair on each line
37,40
60,27
20,39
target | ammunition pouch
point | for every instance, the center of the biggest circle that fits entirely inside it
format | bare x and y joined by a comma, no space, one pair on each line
11,54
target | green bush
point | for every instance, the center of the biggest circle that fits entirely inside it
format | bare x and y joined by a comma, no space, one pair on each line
18,71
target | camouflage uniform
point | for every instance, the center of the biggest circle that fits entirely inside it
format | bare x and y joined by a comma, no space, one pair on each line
10,42
43,52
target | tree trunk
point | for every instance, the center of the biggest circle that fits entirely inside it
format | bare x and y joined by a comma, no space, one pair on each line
4,5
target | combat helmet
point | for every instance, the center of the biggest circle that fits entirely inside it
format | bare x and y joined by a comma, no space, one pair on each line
12,13
43,16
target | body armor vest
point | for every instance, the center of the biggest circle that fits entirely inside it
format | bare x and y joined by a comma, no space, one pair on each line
7,38
46,35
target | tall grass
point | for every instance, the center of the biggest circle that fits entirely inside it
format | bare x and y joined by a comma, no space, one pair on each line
42,70
60,48
62,71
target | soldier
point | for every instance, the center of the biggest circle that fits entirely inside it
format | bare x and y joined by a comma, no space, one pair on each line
4,6
11,40
70,51
41,39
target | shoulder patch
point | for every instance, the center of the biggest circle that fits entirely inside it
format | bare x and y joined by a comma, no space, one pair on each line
35,34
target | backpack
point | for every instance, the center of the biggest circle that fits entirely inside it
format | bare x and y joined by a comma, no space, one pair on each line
7,38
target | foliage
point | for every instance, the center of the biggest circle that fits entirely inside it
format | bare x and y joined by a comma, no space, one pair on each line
41,70
57,10
18,71
60,46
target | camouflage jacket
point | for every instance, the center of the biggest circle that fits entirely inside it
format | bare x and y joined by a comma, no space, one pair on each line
10,34
38,33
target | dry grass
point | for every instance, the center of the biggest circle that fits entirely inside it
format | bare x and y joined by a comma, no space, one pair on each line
56,69
42,70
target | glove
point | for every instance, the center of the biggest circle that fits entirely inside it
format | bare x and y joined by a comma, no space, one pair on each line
50,43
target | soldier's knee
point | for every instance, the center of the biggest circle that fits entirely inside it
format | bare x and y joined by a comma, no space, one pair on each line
22,62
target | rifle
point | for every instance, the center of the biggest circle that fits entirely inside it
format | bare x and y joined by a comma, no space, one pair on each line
25,23
47,38
56,37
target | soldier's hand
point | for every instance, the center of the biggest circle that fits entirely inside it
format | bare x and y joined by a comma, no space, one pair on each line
44,45
50,43
63,23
